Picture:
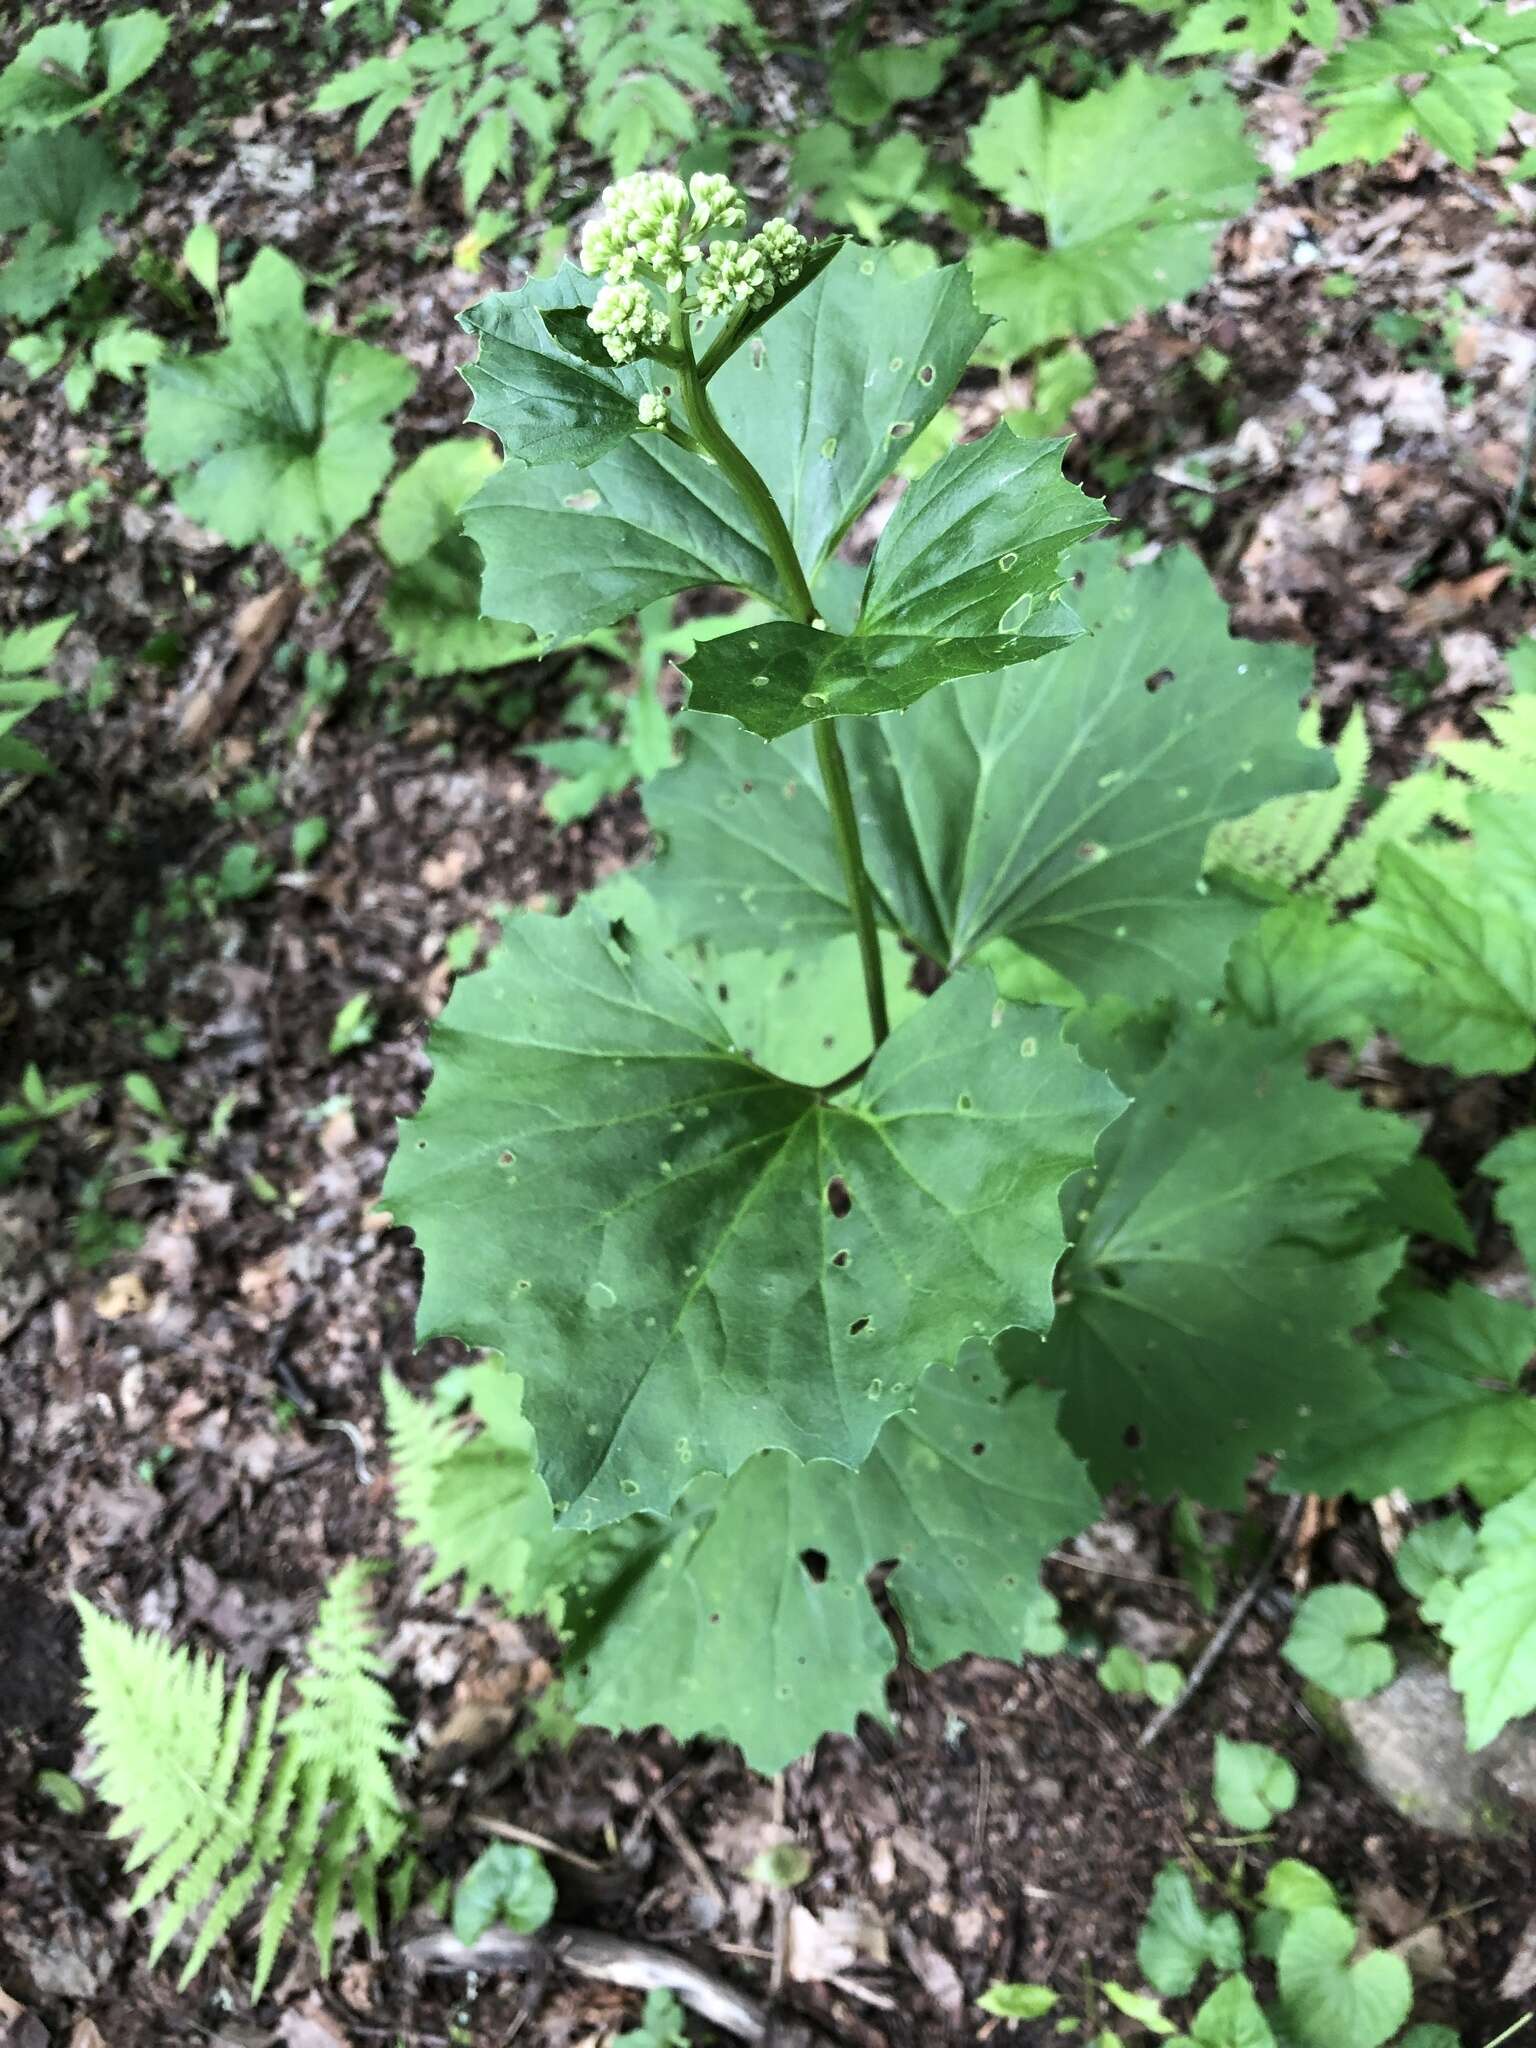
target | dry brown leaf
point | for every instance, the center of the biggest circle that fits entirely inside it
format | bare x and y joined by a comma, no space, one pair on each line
825,1944
124,1295
86,2034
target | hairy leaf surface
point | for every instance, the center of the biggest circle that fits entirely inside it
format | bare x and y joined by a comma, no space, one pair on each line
1064,806
691,1260
749,1618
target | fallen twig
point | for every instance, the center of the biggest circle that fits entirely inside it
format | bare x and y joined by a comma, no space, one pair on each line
606,1957
1236,1615
507,1831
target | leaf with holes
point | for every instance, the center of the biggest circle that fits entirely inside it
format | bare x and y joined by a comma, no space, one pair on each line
962,584
68,69
821,400
1205,1307
748,1616
1064,806
1213,27
284,434
1331,2002
690,1260
1112,245
777,678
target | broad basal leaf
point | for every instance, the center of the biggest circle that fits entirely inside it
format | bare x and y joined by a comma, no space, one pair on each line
1064,806
822,399
1491,1622
283,434
1445,1408
962,584
1231,2017
68,69
749,1618
690,1260
543,401
1431,67
1456,924
1305,972
431,610
1205,1309
1113,244
1327,2000
55,190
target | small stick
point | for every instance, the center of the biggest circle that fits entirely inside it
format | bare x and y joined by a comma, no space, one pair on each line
1237,1614
671,1827
507,1832
605,1957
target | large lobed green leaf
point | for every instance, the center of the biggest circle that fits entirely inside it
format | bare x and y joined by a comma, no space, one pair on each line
1064,806
431,610
1205,1308
284,434
55,190
1114,243
747,1616
690,1260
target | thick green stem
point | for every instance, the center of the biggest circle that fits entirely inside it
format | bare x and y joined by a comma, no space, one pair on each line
716,442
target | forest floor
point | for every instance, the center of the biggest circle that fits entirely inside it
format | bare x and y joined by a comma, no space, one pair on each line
192,1427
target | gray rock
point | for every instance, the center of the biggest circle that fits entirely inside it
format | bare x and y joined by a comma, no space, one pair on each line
1409,1742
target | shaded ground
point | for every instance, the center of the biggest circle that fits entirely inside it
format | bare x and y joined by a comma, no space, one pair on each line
192,1429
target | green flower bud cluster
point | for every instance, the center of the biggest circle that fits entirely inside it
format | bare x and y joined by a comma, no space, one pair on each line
627,318
650,234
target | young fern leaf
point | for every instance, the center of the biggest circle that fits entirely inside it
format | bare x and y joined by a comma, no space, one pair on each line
219,1809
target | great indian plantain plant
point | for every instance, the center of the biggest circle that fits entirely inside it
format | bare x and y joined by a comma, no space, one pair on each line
727,1192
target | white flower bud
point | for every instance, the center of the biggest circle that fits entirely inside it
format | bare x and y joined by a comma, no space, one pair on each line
625,315
783,248
654,410
734,274
716,202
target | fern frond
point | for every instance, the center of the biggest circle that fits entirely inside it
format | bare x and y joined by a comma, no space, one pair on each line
1275,848
345,1723
474,1496
218,1808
